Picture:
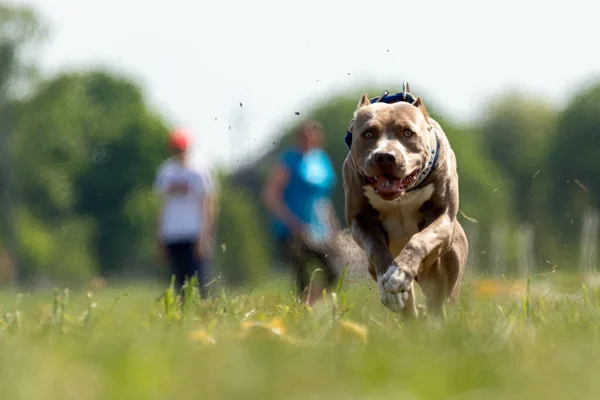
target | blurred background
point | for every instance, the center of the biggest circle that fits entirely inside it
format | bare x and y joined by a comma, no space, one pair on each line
89,90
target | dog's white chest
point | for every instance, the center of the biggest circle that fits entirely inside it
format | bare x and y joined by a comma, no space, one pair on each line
400,218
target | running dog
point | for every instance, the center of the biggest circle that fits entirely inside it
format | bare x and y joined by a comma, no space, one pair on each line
401,193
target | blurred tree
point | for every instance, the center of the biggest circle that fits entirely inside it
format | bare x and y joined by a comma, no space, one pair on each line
20,30
86,150
517,132
484,190
573,169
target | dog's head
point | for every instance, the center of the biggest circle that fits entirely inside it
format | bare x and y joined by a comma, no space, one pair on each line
391,144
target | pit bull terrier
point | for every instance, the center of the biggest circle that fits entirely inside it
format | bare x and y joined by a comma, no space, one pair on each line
401,193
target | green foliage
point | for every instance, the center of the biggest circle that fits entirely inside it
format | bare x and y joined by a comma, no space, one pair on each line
55,252
572,164
484,189
518,131
20,28
96,147
242,245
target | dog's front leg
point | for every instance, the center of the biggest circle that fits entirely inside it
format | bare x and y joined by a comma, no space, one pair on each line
369,234
422,249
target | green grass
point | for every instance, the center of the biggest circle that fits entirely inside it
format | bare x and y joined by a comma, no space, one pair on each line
525,344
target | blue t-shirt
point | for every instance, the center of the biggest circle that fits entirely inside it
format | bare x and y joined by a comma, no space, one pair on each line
311,180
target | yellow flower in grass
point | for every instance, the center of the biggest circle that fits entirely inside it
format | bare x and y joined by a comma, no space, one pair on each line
492,288
275,327
353,329
488,288
201,336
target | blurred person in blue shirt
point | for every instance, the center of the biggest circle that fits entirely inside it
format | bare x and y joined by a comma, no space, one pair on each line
298,195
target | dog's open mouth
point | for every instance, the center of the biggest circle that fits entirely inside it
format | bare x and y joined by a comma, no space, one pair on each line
389,186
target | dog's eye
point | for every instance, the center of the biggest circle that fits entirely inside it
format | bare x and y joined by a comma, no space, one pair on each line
368,134
407,132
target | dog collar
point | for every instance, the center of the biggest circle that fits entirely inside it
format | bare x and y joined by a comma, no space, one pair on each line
433,151
432,157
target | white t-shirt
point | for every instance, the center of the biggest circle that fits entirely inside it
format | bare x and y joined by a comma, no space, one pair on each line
181,217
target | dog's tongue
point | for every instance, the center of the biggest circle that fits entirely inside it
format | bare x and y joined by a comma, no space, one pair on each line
388,185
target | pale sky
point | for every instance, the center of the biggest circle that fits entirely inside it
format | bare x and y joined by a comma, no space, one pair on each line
198,60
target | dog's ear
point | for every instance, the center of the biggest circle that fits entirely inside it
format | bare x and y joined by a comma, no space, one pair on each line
421,106
364,101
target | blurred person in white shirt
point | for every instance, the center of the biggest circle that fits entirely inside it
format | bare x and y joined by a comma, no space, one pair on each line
187,214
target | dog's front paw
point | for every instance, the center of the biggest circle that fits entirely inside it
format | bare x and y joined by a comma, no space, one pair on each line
393,301
396,279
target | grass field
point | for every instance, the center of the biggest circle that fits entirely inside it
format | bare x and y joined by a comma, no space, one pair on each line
502,341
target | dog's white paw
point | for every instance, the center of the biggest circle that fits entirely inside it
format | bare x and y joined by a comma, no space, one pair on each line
395,280
393,301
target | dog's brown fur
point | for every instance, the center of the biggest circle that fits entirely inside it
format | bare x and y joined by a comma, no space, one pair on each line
416,235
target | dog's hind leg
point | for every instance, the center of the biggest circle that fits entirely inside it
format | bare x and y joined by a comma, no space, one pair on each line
460,247
441,281
437,282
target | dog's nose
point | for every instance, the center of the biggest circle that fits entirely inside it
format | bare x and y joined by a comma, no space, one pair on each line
385,158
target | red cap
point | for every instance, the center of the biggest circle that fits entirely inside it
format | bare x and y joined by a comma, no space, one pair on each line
178,139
